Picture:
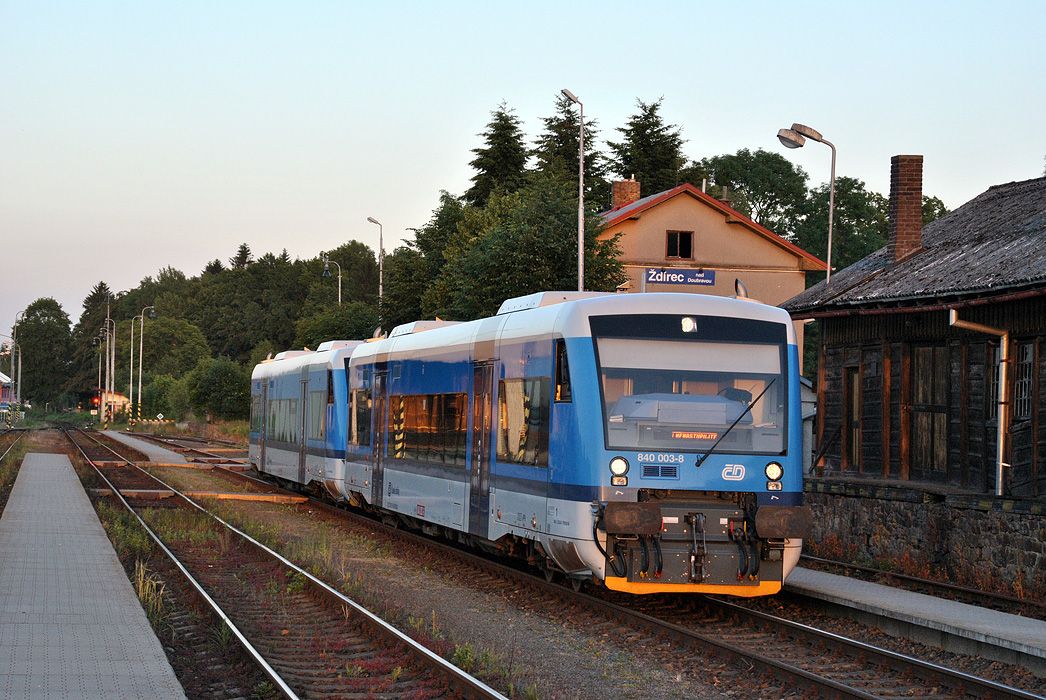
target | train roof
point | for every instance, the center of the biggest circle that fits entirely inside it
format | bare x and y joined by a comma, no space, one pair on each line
331,354
566,314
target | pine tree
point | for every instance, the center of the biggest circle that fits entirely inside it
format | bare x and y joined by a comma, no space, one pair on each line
501,163
242,258
651,150
556,151
214,267
83,375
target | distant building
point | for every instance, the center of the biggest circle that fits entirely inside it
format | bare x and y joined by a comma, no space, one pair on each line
684,240
6,390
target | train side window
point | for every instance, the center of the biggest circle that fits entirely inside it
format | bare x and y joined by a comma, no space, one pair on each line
316,416
361,407
523,421
563,391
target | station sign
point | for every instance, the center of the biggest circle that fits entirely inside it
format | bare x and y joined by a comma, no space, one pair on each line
676,275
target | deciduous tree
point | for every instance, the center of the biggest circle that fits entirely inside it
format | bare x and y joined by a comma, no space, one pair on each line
44,337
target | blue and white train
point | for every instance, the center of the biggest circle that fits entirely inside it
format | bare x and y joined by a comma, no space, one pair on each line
651,442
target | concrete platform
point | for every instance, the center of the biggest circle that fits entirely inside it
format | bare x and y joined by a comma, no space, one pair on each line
948,624
71,625
150,449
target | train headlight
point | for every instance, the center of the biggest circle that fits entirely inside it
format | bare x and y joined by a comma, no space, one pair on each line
689,324
619,466
774,471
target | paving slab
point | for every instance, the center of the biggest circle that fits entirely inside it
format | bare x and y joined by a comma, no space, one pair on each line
71,625
1020,634
155,452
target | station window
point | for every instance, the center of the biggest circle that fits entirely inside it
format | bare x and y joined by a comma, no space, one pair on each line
991,370
1022,381
429,428
523,421
361,401
680,245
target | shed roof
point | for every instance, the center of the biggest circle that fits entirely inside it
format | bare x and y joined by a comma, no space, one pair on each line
993,244
636,208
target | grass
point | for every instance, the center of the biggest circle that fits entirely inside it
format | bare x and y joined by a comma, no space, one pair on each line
150,591
9,469
124,531
181,525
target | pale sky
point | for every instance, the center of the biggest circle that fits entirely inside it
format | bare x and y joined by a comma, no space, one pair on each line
136,135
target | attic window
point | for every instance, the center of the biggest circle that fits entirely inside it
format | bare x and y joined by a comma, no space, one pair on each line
680,245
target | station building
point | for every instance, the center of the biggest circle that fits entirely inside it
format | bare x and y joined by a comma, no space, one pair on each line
684,240
912,401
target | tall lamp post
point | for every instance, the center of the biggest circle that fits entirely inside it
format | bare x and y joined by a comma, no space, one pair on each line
327,273
796,138
381,258
141,356
580,189
16,373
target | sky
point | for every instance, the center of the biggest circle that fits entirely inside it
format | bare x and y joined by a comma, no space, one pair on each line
137,135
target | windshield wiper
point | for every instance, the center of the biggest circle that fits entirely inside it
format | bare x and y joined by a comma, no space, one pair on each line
702,458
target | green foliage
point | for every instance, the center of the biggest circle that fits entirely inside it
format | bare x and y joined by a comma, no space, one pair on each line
556,151
501,162
933,209
242,258
219,388
156,397
764,185
179,399
520,243
650,149
860,223
352,321
44,337
411,270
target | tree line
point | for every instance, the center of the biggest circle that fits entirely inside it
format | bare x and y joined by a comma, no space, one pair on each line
512,232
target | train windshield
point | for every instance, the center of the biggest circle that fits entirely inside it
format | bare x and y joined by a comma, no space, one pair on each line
683,396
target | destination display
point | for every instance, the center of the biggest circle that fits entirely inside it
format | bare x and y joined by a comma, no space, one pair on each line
671,275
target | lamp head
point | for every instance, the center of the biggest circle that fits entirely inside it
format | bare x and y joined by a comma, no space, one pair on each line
326,268
812,134
791,139
151,313
570,96
94,341
373,220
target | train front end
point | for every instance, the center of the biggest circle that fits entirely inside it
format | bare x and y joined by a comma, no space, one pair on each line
700,471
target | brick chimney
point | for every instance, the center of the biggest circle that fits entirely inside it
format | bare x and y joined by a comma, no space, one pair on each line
906,206
625,192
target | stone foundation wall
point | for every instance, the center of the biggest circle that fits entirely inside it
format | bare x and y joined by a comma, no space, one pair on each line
986,543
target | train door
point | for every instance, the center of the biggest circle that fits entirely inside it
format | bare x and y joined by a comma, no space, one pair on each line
380,414
263,429
482,410
303,407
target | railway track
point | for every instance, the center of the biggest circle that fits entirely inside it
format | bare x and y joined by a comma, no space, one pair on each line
178,444
796,655
309,639
986,599
8,439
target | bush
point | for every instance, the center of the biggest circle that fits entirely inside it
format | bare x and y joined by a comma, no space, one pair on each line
219,388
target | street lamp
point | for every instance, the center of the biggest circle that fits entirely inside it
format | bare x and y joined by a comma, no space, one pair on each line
580,189
381,257
16,375
327,273
796,138
141,356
